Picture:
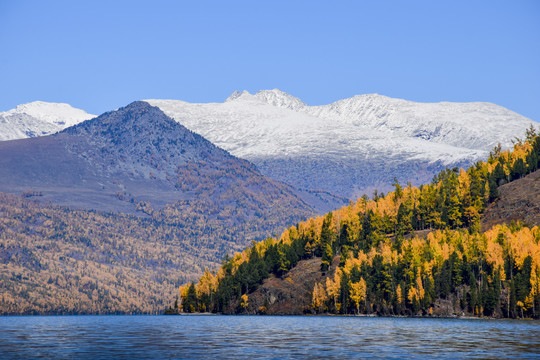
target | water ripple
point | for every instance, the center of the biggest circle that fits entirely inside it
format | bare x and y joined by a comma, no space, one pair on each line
264,337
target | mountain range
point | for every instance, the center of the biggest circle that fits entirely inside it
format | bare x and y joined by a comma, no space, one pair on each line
128,157
190,183
352,146
329,153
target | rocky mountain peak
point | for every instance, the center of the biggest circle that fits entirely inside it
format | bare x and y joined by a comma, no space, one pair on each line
280,98
237,95
273,97
134,118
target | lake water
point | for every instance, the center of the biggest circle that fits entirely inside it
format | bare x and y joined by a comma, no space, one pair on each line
269,337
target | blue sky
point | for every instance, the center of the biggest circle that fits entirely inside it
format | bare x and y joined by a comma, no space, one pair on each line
100,55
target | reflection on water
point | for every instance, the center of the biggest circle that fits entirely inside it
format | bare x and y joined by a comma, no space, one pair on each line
173,337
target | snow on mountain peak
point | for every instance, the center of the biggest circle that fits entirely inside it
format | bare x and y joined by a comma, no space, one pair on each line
279,98
273,97
352,145
53,113
39,118
237,94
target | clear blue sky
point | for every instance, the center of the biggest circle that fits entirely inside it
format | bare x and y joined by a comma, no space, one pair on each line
100,55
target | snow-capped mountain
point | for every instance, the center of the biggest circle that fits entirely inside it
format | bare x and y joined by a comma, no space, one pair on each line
39,118
351,146
138,154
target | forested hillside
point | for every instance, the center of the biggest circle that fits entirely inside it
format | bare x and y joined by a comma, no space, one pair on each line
413,251
59,260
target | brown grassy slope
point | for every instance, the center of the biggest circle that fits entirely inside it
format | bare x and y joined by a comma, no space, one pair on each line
518,201
291,294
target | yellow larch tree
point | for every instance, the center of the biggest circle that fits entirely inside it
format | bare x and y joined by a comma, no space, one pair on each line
244,301
399,295
358,292
333,287
318,298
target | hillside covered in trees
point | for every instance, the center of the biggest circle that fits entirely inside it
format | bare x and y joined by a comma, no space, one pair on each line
56,260
413,251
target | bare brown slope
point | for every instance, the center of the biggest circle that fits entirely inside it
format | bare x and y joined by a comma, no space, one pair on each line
290,295
518,201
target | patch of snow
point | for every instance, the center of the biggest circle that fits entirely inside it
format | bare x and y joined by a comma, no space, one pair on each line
39,118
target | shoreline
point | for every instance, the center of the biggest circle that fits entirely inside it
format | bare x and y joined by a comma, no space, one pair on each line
465,317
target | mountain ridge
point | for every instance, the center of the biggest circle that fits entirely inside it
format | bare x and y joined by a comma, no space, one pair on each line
136,150
351,146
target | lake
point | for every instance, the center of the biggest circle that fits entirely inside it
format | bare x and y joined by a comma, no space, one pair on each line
265,337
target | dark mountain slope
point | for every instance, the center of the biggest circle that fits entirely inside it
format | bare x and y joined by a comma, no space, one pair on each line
135,154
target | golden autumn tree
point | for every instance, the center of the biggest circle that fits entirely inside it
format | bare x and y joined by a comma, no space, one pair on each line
244,301
358,293
318,298
333,287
